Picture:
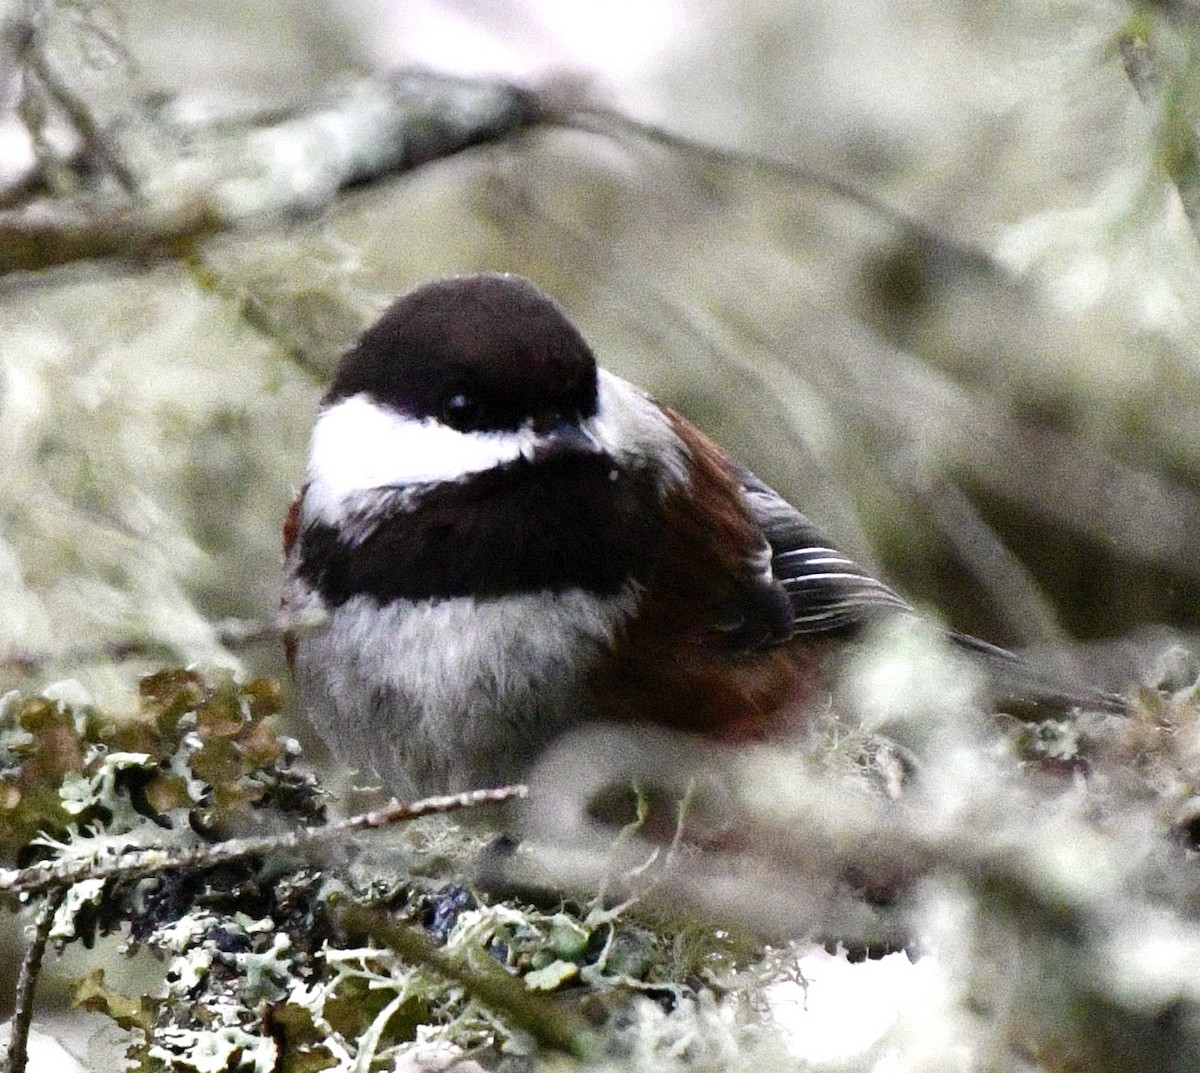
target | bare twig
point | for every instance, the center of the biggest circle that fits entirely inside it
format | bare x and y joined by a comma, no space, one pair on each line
239,632
31,966
229,632
49,875
547,1022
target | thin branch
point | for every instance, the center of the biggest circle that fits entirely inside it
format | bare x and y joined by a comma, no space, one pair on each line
231,633
99,146
1011,586
31,967
549,1023
48,875
611,123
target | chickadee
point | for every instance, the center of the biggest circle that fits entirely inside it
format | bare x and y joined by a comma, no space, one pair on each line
509,542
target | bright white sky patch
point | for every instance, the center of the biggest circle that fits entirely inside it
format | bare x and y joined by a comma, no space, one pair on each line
848,1008
627,40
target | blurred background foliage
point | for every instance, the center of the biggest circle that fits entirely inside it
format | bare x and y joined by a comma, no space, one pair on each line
928,267
925,266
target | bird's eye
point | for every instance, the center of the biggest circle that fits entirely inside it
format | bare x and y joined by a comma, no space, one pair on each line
461,411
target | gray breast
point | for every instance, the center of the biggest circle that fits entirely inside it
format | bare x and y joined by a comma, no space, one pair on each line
438,696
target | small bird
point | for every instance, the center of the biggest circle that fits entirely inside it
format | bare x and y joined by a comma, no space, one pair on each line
508,542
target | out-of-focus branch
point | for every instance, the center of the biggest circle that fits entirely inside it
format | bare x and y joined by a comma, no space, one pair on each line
363,129
176,186
613,124
1013,588
44,77
229,633
50,875
1161,57
360,130
549,1023
44,235
31,967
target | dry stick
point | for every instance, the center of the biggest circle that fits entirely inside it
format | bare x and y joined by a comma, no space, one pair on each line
228,632
49,875
31,966
549,1023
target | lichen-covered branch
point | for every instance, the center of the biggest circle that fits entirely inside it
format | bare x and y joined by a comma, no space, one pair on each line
170,190
549,1024
31,967
49,875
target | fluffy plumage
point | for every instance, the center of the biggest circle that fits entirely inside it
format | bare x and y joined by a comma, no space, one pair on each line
510,542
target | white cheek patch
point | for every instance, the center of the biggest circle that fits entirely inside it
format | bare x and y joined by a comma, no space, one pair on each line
358,445
630,426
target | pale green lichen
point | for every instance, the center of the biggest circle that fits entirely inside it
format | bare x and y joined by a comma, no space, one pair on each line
1049,879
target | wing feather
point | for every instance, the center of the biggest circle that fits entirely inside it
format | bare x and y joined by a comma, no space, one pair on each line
827,590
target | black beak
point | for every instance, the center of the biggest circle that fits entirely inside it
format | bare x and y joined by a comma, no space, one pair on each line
566,437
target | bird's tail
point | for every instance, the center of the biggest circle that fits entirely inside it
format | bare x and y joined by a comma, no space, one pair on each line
1016,681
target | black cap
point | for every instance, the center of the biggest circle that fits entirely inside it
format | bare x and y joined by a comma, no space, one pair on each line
489,351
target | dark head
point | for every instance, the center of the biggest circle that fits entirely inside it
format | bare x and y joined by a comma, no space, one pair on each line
479,353
469,445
